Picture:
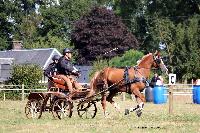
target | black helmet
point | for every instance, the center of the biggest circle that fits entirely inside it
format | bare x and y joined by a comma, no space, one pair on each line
56,57
67,50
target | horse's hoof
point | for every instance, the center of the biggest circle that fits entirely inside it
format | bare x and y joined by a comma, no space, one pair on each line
126,112
138,112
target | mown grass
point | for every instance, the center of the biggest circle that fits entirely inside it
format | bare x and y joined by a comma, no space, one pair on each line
155,118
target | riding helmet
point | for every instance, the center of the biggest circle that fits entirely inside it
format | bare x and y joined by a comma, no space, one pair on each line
67,50
55,57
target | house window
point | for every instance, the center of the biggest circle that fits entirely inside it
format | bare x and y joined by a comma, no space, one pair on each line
5,70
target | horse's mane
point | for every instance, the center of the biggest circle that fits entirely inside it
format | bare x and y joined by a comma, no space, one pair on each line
143,58
120,67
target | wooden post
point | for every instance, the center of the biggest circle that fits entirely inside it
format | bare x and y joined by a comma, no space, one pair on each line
123,96
171,99
22,92
4,96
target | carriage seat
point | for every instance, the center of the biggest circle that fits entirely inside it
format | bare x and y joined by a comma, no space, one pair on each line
59,83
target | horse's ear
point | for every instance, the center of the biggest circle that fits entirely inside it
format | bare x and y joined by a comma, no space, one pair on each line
157,53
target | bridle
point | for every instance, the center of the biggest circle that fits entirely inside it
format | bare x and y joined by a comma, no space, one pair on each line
157,61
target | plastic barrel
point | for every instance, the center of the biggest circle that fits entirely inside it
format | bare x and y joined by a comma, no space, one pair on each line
194,94
149,94
164,94
197,90
158,95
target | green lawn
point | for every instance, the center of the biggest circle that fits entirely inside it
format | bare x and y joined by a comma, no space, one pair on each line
155,118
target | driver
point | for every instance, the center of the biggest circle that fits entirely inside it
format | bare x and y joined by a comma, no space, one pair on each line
66,69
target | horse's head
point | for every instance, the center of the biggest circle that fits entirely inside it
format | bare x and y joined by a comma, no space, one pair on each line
158,62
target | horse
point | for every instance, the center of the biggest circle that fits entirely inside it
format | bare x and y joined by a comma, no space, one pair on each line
111,80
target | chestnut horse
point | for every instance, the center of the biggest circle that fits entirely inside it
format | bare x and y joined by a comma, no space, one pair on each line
111,80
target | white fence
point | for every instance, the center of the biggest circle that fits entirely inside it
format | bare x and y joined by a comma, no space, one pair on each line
22,89
25,89
178,89
181,89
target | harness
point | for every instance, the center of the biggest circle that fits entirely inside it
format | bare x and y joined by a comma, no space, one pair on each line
136,79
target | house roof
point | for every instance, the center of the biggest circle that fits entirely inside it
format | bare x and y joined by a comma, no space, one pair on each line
41,57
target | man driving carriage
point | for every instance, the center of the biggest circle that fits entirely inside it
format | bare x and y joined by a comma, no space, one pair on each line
66,70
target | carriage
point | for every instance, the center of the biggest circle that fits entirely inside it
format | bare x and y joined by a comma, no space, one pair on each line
57,102
107,83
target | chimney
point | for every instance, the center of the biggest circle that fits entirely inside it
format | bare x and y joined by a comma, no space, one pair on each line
17,45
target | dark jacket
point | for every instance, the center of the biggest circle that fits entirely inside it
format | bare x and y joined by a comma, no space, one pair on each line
51,69
65,66
153,81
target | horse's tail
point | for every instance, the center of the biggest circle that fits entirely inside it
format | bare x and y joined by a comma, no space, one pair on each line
99,76
105,77
93,80
93,84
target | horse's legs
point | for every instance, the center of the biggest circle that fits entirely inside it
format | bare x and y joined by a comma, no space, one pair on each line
139,96
110,99
140,100
103,103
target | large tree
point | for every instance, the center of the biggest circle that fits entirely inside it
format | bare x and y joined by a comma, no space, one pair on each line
31,21
174,23
58,17
139,14
101,31
182,45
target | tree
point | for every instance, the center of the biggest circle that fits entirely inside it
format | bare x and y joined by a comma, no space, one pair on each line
182,45
129,58
6,26
12,24
58,18
26,74
50,41
138,16
99,32
187,51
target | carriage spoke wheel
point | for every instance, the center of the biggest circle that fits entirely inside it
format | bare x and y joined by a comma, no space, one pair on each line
62,109
87,110
32,109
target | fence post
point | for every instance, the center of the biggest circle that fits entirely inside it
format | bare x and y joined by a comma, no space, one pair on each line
4,96
123,96
171,99
22,92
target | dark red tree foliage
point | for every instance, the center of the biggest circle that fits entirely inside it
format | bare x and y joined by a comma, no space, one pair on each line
98,32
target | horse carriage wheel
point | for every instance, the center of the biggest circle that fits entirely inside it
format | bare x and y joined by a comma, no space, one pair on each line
87,110
32,109
62,108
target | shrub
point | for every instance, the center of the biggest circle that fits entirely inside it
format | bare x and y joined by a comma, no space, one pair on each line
26,74
130,58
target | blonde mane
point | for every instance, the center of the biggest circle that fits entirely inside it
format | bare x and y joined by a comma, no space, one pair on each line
143,58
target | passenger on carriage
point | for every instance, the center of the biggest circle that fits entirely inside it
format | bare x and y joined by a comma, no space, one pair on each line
66,69
51,70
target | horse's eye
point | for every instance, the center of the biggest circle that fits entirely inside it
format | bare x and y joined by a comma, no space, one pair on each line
158,61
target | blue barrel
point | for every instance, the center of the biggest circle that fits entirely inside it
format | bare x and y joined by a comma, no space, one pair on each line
165,94
196,94
149,94
158,95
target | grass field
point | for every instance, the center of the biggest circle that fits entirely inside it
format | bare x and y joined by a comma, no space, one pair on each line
155,118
